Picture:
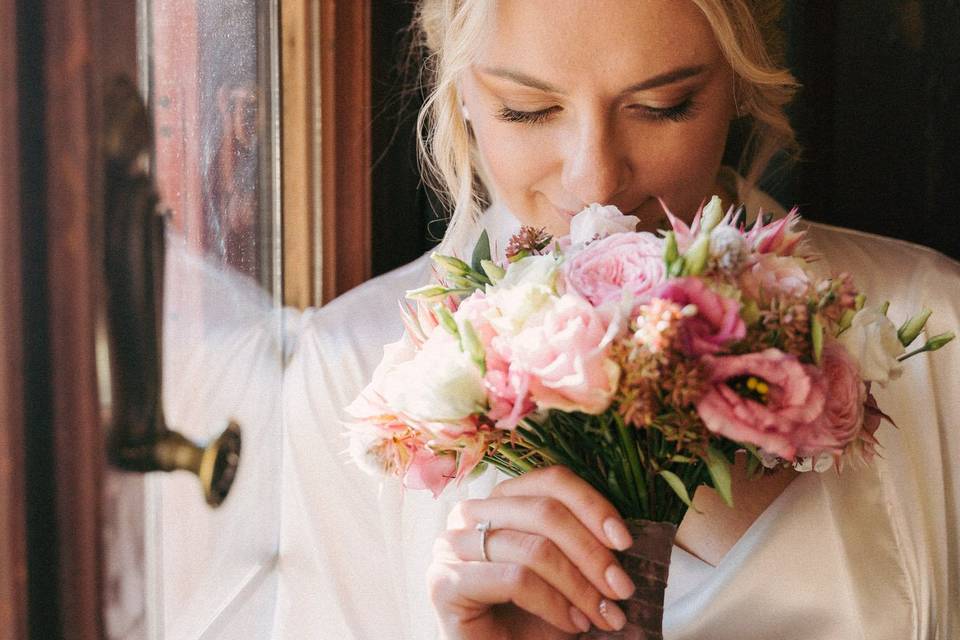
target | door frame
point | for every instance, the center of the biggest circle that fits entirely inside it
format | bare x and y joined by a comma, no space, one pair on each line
82,45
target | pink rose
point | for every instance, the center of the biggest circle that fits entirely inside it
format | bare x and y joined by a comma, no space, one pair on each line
717,322
508,390
623,262
785,415
772,275
845,402
565,355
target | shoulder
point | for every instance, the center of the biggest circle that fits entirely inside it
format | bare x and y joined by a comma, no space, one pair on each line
887,264
340,344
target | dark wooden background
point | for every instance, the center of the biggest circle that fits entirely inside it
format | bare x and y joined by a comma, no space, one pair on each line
878,118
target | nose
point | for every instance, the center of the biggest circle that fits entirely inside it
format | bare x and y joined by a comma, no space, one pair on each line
595,169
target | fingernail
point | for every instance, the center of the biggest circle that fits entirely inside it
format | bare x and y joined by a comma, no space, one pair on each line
579,620
617,534
619,581
612,614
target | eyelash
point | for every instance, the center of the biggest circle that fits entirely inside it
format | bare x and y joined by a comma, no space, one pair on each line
677,113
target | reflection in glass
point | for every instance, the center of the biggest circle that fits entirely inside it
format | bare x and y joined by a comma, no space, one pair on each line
211,85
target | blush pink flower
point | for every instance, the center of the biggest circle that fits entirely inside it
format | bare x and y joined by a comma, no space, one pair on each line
623,262
429,470
717,322
508,390
565,356
772,275
786,421
845,402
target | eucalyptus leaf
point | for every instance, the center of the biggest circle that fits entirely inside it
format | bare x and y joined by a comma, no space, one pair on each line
719,468
481,252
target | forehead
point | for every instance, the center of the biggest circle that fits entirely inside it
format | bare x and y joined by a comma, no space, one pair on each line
573,39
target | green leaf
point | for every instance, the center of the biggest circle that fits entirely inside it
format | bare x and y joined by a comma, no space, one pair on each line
719,468
481,252
677,485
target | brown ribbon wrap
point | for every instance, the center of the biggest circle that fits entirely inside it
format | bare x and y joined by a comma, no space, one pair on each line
647,563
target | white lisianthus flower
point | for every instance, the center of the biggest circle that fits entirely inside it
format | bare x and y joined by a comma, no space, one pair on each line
597,222
872,340
440,383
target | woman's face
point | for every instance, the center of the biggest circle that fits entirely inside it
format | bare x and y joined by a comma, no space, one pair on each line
580,101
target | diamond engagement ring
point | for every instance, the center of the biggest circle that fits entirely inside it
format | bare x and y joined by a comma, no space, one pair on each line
483,527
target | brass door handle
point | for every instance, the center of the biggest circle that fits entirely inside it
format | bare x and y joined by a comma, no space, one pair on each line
133,243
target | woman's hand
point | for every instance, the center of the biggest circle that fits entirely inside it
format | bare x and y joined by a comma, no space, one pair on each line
549,561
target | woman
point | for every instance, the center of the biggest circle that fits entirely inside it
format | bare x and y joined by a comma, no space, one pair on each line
539,108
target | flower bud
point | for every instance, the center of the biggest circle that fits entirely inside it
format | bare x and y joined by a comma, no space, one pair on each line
670,251
453,266
910,329
471,345
696,256
494,272
446,320
940,340
427,292
711,216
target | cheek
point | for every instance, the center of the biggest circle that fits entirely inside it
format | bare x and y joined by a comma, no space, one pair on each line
514,160
681,166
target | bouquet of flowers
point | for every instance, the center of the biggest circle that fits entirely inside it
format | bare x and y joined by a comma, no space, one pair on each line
642,362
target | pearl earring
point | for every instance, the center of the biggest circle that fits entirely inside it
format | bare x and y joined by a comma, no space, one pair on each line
466,114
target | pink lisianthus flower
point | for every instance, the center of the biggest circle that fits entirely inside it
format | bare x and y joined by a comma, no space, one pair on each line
717,322
621,263
565,355
787,421
771,275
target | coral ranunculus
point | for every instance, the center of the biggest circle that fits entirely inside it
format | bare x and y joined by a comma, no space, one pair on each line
787,420
845,402
717,322
622,263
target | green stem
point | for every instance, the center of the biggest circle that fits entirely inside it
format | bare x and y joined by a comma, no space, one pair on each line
519,462
630,449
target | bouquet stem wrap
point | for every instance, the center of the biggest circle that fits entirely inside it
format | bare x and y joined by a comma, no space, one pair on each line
647,562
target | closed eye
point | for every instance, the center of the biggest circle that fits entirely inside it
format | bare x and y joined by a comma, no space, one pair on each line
677,113
525,117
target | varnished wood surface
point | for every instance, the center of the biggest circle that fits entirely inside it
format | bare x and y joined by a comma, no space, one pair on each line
13,544
345,141
300,88
87,42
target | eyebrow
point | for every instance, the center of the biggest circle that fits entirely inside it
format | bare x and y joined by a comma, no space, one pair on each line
660,80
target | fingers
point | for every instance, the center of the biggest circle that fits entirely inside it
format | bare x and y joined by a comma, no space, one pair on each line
458,588
549,518
537,553
594,511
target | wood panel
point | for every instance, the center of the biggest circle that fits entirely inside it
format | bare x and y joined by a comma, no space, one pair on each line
345,144
87,42
13,544
300,152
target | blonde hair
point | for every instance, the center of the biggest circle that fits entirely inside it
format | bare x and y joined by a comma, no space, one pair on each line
450,31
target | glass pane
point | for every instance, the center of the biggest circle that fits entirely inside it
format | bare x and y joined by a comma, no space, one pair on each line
210,68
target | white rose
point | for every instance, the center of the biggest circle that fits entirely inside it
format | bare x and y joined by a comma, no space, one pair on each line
597,222
440,384
872,341
513,308
532,270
